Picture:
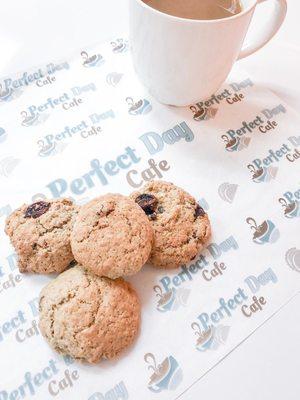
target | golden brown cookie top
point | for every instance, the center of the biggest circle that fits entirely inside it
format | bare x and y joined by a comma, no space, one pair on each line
181,227
88,317
40,233
111,236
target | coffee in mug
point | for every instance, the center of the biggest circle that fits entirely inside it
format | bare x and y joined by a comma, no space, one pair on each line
197,9
184,53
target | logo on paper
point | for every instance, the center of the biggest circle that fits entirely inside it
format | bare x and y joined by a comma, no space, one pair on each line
292,258
119,391
113,78
212,338
85,129
33,118
266,232
227,191
119,46
205,110
9,94
141,107
291,208
203,203
263,169
172,299
3,135
12,88
6,210
7,165
165,376
91,61
203,113
236,144
262,174
51,149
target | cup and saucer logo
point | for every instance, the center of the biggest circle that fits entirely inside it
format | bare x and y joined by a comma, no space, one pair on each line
9,94
292,258
33,118
266,232
94,61
166,375
262,174
140,107
172,299
119,46
291,209
203,113
51,149
210,339
236,144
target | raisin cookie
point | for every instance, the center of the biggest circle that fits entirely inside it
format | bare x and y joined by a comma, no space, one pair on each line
88,317
181,227
40,234
111,236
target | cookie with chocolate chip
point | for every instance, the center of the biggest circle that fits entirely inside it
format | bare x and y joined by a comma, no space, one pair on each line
181,227
40,234
112,236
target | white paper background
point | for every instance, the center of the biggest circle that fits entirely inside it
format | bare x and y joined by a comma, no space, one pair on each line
199,166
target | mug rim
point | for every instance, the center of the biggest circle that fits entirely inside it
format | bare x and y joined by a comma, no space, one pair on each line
193,21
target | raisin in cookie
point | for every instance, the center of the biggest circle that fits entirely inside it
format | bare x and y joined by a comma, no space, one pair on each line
180,225
88,317
40,234
111,236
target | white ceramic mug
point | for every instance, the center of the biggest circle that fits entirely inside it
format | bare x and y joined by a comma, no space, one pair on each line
182,61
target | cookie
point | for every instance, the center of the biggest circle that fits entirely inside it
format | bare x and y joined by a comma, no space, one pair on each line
88,317
40,234
181,227
111,236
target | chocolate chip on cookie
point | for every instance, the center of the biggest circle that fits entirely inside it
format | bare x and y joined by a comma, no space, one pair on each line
181,227
147,202
199,212
40,234
37,209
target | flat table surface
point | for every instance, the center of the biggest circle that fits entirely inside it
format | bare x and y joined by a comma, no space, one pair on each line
266,366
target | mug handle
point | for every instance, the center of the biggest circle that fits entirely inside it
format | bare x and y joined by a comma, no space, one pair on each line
269,31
